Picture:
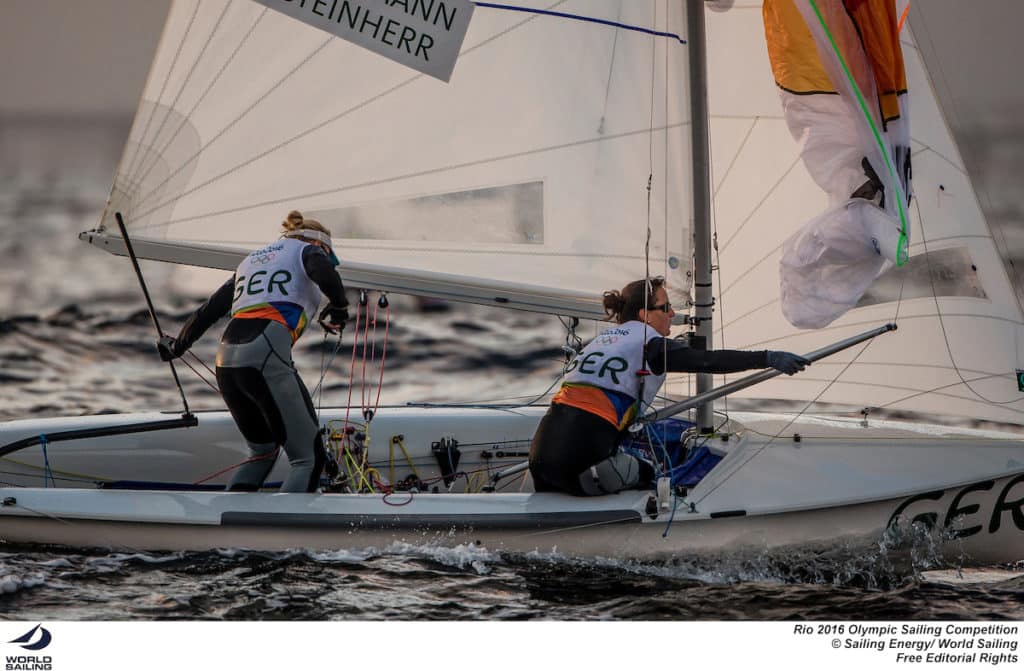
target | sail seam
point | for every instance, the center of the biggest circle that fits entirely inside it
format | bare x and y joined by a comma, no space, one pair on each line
760,203
156,189
396,178
223,68
163,88
735,157
181,90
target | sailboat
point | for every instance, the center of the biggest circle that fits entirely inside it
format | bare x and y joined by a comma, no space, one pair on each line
571,150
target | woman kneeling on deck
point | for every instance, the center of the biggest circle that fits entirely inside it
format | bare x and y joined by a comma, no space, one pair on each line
576,446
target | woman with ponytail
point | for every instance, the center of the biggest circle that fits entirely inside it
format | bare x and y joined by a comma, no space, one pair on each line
575,449
271,298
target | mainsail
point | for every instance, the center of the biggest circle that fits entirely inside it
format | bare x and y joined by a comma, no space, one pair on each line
523,180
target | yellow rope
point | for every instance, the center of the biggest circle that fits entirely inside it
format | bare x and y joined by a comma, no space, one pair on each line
400,441
71,474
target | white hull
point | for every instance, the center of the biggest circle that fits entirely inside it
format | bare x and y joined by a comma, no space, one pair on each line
839,485
988,529
490,439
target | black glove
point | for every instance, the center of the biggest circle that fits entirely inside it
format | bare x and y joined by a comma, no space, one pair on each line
787,362
169,348
333,318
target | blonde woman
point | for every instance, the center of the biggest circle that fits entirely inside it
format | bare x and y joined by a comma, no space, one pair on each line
273,295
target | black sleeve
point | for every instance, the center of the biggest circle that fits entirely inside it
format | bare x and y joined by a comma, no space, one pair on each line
320,269
207,315
674,356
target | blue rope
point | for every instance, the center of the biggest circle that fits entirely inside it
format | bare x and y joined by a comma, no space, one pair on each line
577,17
47,473
654,440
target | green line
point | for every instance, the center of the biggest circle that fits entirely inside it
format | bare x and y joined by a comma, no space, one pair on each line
902,244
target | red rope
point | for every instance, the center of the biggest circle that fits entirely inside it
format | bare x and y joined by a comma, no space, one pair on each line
403,503
352,366
241,463
383,351
366,339
903,18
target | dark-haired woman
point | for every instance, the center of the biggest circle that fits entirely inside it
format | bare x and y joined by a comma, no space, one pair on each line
575,449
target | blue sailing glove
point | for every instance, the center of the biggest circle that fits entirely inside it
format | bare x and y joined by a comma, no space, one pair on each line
786,362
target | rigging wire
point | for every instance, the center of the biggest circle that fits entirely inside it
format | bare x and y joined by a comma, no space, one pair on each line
642,373
779,433
942,322
937,70
324,367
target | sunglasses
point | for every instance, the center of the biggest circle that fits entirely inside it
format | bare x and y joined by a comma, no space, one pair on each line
664,307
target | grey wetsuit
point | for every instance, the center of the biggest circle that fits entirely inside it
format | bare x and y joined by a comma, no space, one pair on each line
271,407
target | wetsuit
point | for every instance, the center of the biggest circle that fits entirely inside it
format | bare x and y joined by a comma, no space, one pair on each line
272,297
575,449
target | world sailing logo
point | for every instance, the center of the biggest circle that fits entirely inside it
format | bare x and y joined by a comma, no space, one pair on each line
44,638
36,638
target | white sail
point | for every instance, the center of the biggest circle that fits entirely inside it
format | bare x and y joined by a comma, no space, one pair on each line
527,174
959,339
530,168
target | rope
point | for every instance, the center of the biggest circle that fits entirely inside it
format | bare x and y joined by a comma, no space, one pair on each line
47,472
382,302
200,375
942,322
324,367
795,417
352,364
366,342
400,441
588,19
269,455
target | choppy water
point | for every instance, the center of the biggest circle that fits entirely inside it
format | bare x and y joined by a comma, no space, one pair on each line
413,583
75,339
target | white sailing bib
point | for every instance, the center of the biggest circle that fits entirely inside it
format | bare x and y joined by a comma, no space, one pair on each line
611,361
275,274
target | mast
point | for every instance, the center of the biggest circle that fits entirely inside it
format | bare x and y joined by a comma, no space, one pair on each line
703,297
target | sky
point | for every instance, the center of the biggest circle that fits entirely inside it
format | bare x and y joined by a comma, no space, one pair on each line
89,57
76,57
